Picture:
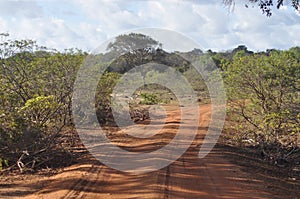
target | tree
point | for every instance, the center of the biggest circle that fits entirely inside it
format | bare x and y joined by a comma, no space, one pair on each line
36,88
130,50
131,42
266,5
264,94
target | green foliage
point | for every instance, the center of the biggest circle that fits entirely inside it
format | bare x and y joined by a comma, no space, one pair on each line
149,99
36,86
41,111
131,42
195,79
35,95
264,94
130,50
104,90
3,162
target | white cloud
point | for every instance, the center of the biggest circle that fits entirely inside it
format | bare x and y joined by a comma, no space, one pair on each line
21,8
87,23
3,24
260,32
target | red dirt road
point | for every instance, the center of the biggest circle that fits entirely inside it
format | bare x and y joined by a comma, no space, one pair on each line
188,177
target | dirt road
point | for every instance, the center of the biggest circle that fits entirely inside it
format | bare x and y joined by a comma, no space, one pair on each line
188,177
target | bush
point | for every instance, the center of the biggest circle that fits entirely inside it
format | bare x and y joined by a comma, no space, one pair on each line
36,89
149,99
264,96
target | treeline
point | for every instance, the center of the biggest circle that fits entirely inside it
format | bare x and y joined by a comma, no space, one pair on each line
263,95
36,85
263,91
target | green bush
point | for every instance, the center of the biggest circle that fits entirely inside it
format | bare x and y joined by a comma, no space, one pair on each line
149,99
264,98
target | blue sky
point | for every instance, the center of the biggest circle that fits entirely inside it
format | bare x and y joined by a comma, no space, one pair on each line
85,24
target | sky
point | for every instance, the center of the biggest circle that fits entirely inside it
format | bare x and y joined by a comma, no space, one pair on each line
85,24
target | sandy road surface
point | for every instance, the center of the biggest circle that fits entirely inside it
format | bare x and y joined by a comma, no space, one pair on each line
188,177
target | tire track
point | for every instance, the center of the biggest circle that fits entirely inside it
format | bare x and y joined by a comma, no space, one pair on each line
167,183
79,187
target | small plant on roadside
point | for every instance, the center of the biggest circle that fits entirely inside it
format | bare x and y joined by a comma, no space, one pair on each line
149,99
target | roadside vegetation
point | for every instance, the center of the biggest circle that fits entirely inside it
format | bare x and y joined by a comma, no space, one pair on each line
263,92
36,84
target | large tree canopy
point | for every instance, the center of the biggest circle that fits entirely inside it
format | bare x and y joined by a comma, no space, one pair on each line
131,42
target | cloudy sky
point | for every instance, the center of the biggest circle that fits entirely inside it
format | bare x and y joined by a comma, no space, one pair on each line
85,24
